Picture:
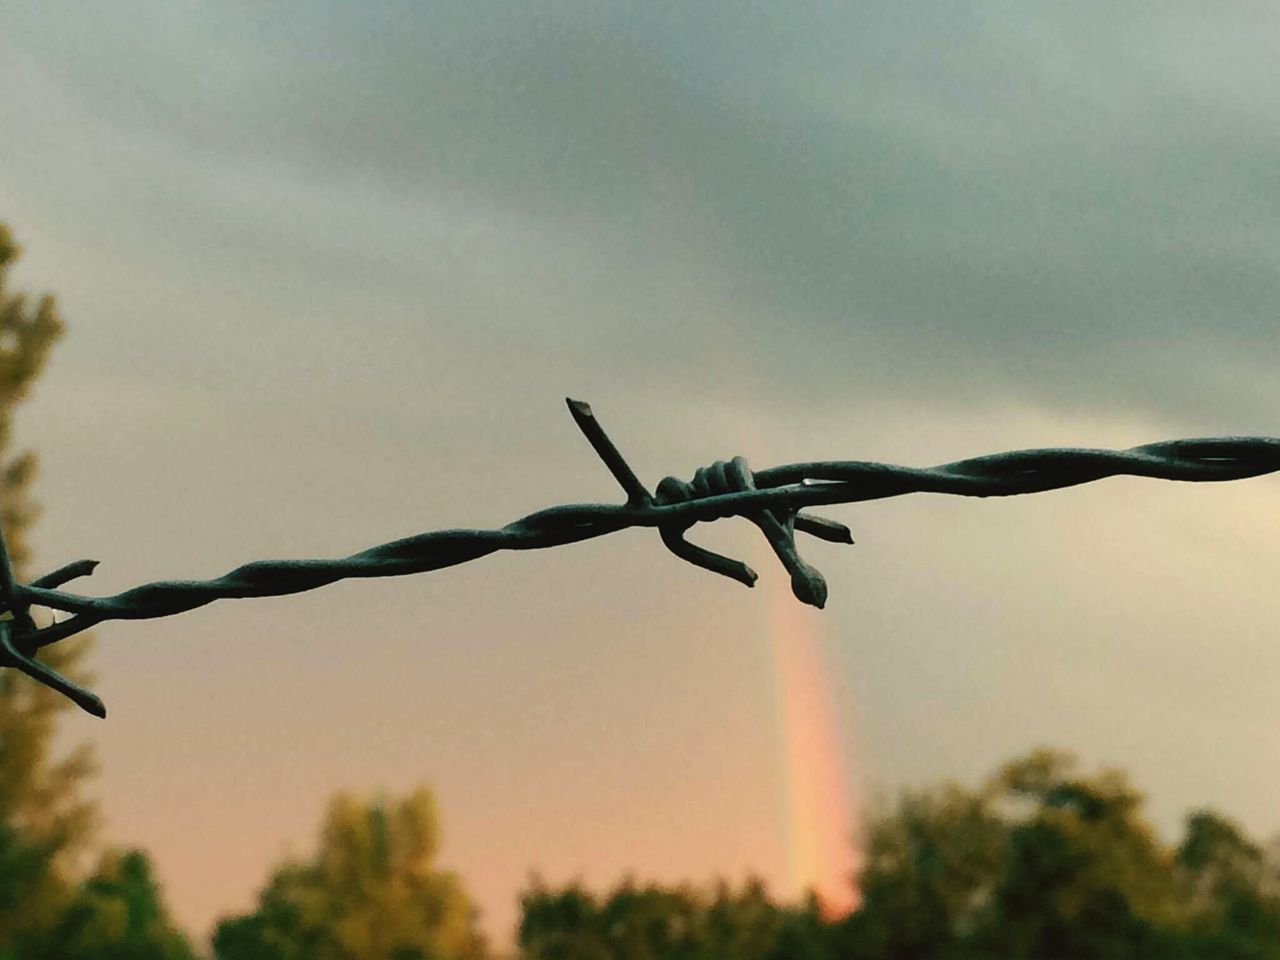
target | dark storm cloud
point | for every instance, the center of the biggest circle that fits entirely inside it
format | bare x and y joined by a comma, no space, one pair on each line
1074,205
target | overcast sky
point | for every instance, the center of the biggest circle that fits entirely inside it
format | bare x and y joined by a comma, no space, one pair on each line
328,271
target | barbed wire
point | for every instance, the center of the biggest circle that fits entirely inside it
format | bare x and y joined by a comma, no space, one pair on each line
772,499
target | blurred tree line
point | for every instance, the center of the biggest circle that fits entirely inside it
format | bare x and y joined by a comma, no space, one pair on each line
1039,861
50,907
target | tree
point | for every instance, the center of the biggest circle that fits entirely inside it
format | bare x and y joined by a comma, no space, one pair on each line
930,871
561,924
654,922
1085,874
372,892
1038,862
116,914
1234,889
43,821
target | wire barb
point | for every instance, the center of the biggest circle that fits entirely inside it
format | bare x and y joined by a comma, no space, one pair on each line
772,499
778,526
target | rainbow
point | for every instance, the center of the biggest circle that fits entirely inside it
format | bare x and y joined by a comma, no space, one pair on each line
820,814
820,819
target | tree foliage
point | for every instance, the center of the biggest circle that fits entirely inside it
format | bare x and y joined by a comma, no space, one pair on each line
46,911
117,913
372,892
1233,886
667,923
1041,862
44,822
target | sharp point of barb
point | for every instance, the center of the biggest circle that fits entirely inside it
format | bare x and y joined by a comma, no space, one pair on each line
13,654
70,571
823,529
637,494
809,587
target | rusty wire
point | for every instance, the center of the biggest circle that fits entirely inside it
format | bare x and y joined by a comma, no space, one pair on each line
772,499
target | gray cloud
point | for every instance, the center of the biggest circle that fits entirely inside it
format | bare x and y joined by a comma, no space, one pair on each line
1074,206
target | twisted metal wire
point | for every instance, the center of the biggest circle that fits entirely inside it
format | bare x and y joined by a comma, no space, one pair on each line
771,499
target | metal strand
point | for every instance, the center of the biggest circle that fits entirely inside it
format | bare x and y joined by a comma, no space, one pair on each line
772,499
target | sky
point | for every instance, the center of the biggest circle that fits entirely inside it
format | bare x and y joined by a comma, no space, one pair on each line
329,270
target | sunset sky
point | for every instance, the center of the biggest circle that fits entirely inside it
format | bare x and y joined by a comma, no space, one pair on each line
328,271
